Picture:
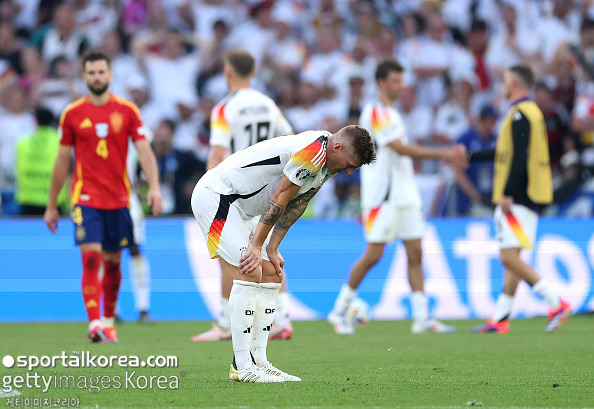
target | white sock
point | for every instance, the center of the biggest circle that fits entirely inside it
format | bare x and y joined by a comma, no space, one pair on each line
419,306
141,273
95,323
344,299
544,289
107,322
223,320
265,306
242,305
503,307
281,316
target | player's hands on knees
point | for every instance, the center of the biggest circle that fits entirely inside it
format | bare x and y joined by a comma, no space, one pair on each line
251,259
50,217
155,201
277,260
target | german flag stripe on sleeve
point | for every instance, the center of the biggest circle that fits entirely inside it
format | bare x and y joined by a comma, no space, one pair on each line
218,121
379,119
312,157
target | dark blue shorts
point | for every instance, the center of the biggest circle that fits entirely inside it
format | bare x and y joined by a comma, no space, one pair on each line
111,228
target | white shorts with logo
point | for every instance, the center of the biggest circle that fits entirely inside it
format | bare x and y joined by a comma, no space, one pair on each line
516,229
387,223
226,230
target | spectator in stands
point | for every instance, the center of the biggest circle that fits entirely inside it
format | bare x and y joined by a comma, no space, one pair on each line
15,123
286,54
151,113
582,117
35,157
453,117
96,18
135,16
557,120
34,69
430,59
60,87
211,56
123,65
512,44
256,33
9,48
172,72
307,113
475,184
178,171
63,38
477,41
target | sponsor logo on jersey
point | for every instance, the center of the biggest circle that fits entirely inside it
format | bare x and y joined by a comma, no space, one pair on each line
86,123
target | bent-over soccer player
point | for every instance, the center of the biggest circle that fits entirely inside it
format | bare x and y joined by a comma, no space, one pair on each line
246,205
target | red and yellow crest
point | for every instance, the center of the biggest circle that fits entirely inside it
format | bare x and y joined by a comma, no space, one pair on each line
116,120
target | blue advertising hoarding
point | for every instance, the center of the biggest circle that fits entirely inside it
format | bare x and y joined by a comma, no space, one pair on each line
40,272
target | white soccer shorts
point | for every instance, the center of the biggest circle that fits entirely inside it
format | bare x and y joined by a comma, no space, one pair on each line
226,232
387,223
137,216
516,229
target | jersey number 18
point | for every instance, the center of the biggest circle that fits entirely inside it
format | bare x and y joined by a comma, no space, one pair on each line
257,132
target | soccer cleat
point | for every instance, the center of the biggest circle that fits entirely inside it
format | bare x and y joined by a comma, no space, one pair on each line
501,327
558,316
341,323
111,335
431,326
284,331
252,374
216,333
273,370
144,318
96,334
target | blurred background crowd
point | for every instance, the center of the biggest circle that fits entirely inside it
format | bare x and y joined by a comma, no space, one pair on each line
316,59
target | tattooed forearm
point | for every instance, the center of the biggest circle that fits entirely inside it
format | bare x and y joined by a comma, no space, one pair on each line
294,210
272,214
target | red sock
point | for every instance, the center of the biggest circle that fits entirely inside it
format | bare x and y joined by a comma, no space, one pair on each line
111,287
91,287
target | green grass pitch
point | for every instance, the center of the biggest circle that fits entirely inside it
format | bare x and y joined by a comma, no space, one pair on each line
383,365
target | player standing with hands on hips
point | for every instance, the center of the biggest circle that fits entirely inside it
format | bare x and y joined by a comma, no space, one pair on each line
522,184
98,126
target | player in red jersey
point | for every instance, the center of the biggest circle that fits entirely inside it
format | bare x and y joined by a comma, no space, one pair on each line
98,127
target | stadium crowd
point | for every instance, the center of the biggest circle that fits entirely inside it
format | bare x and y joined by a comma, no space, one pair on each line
316,59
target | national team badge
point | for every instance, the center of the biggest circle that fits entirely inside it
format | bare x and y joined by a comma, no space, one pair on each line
116,120
101,129
302,174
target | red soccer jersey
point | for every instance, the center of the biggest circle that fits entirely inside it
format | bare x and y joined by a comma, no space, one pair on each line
100,138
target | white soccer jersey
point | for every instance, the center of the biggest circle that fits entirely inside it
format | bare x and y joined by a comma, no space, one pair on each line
252,175
245,118
391,177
